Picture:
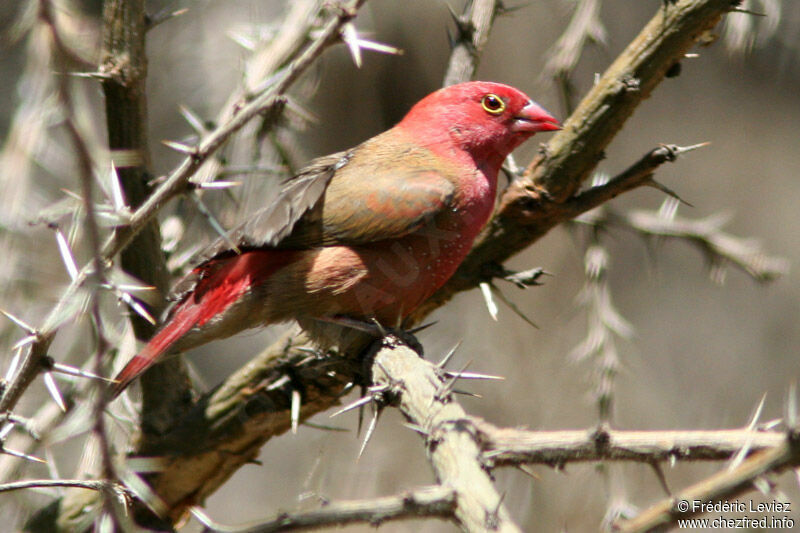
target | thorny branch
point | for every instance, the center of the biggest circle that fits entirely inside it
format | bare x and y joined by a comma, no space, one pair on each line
472,33
533,205
510,447
425,397
725,484
123,73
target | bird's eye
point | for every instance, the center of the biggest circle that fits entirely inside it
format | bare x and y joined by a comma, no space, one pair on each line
493,104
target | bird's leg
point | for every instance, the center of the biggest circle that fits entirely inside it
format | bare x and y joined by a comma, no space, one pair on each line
376,329
371,327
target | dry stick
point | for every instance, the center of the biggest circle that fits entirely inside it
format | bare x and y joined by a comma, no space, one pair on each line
53,483
433,501
509,447
451,440
722,485
270,101
97,275
223,420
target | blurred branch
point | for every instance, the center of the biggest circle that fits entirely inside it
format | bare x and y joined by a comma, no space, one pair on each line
429,501
533,205
707,235
265,61
96,277
48,483
425,397
269,102
123,74
584,25
605,325
720,486
472,33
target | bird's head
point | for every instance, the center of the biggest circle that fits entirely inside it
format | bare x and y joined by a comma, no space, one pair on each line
486,119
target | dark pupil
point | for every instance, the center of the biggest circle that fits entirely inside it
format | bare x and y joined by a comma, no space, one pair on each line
493,103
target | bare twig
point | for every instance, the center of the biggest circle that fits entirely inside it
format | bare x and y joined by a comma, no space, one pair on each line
48,483
637,175
433,501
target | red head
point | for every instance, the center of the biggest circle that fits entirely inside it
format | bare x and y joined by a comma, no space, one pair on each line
485,119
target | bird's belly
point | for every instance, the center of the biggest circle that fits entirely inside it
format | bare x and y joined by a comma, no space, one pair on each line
385,280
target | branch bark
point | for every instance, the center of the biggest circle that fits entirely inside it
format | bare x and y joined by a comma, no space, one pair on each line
452,441
503,446
725,484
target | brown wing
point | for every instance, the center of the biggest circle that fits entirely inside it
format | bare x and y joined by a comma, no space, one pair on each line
369,200
350,197
270,225
267,226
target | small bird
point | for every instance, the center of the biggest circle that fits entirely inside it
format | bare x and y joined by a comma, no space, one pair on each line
360,236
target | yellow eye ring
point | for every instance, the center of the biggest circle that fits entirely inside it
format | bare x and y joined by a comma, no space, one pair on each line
493,104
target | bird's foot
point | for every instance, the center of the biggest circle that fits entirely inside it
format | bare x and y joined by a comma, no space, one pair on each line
376,329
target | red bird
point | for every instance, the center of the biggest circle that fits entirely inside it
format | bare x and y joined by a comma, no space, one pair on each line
366,234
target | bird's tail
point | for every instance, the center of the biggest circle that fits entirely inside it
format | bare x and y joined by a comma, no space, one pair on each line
182,321
221,283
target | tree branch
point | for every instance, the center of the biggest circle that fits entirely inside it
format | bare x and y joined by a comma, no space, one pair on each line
532,206
472,33
123,70
419,390
725,484
505,446
269,102
432,501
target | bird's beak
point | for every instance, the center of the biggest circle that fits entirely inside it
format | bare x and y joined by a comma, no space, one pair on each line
533,118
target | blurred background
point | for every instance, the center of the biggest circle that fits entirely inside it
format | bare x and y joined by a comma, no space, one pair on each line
702,354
